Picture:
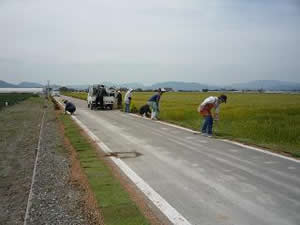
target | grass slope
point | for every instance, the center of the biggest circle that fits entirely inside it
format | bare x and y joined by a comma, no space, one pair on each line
116,206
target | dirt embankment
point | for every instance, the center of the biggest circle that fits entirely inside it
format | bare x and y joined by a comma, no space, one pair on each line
55,198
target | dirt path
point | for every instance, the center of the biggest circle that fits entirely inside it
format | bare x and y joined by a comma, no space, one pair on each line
55,200
19,131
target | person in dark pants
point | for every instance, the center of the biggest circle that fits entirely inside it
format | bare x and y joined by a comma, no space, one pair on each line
205,110
101,93
145,111
119,99
153,102
69,107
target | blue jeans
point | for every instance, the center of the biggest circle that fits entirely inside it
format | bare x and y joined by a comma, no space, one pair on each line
207,125
154,109
127,107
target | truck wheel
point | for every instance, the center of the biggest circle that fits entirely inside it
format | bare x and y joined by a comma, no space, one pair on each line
110,107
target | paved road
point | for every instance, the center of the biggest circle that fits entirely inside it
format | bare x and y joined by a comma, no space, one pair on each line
207,181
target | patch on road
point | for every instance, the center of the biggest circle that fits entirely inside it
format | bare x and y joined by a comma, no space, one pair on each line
123,155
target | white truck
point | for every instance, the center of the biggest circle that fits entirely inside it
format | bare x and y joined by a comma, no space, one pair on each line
100,97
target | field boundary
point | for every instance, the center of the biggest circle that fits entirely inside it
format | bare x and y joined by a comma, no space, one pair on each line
260,150
224,140
171,213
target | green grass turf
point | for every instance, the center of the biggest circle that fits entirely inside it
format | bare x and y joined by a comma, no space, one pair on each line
116,206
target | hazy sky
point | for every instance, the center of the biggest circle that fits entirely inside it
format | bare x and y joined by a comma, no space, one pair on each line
206,41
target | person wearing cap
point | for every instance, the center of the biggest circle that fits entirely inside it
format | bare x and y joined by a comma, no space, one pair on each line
127,100
205,110
153,102
69,107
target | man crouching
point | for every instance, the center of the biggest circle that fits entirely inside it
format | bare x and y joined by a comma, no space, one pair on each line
145,111
69,107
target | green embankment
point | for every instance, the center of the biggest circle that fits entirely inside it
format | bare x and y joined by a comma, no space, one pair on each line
116,206
267,120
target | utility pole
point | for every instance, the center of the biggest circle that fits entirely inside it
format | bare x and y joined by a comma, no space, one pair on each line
48,89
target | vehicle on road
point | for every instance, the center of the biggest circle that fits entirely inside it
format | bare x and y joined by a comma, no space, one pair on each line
101,97
55,93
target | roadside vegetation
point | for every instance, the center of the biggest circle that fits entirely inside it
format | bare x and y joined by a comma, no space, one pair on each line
115,204
80,95
267,120
13,98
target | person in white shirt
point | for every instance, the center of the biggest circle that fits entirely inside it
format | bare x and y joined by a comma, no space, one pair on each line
127,100
205,110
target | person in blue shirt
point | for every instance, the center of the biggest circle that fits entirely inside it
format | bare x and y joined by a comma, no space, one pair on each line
153,102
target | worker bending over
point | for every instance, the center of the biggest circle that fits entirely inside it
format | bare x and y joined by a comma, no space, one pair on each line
153,102
205,110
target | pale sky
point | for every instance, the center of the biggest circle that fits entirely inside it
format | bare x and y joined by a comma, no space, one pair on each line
207,41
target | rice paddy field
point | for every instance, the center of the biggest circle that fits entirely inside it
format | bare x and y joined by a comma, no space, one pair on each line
266,120
13,98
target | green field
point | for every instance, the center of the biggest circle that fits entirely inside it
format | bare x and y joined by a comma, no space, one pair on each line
267,120
13,98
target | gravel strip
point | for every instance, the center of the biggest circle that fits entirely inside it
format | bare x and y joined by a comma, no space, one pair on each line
54,200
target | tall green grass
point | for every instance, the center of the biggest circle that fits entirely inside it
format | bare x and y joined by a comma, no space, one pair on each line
267,120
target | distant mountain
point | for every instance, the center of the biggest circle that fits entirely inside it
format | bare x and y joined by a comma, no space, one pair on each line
78,87
29,85
133,85
109,84
4,84
86,86
271,85
186,86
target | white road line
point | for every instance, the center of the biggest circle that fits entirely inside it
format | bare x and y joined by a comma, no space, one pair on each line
228,141
179,127
260,150
34,173
171,213
175,217
165,123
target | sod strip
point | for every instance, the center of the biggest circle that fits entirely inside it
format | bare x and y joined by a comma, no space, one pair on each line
116,206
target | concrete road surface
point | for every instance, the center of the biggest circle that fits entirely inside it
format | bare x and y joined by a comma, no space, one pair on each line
206,180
